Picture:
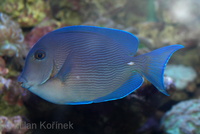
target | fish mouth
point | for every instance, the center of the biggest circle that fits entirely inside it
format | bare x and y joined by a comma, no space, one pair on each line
23,82
25,85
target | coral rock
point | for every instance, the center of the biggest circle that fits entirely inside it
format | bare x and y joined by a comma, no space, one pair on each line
183,118
43,28
11,38
13,125
24,11
181,75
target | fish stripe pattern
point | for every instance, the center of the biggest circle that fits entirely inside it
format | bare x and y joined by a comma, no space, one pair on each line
88,64
95,70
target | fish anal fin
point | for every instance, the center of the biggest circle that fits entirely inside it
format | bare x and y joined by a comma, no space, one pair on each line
131,85
79,103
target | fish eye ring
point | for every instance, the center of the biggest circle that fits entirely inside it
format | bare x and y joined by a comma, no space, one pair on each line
39,55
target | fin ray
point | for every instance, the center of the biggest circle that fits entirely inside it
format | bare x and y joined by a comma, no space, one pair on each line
65,69
129,41
152,65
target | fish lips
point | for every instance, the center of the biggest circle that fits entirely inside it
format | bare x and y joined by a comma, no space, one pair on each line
24,82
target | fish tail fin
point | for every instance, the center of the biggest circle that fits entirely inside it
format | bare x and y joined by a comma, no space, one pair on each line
152,65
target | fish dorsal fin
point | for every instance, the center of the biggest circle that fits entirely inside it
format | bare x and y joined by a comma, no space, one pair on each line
128,40
131,85
65,69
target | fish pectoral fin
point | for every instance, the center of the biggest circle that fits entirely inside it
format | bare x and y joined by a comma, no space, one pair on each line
65,69
134,82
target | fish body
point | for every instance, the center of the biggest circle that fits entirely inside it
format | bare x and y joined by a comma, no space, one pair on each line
87,64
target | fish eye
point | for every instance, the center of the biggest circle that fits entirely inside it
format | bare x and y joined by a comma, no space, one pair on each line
39,55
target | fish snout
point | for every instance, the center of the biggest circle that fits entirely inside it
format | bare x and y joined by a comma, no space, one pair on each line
23,82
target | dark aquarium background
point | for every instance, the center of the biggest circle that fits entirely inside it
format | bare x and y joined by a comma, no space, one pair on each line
156,23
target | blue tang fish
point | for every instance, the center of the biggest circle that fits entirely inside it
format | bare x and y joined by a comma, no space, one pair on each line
88,64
